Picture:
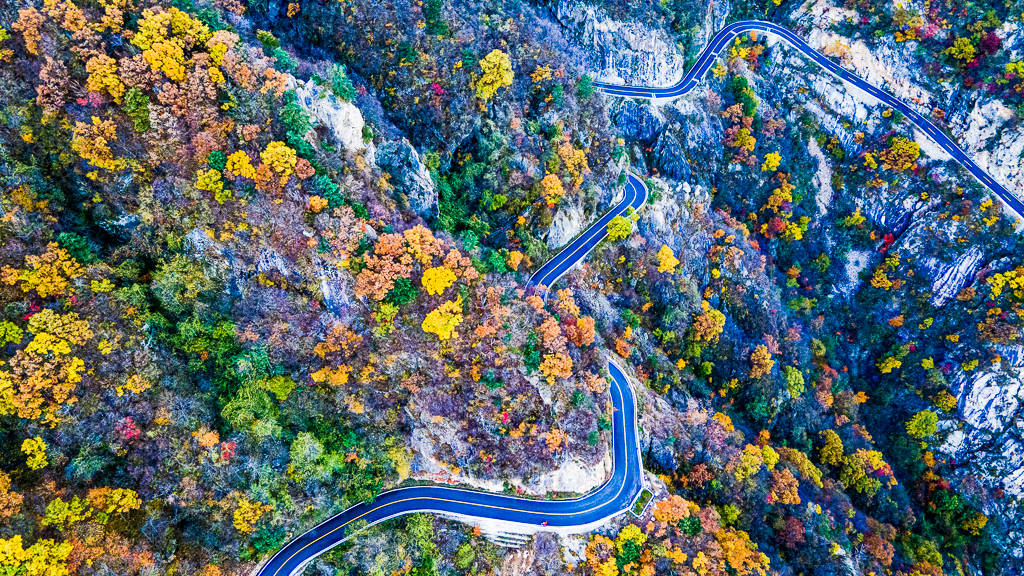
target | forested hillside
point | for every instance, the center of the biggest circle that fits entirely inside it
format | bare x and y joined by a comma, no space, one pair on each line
260,261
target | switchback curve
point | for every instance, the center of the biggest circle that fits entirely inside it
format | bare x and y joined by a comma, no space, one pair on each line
576,515
635,196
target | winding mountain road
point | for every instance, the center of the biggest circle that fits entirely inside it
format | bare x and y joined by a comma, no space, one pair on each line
577,515
634,198
725,37
622,489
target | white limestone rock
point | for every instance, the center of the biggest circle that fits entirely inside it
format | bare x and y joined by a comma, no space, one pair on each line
567,223
628,52
950,279
343,119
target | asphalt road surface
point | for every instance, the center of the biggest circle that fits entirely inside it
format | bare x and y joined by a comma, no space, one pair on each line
724,38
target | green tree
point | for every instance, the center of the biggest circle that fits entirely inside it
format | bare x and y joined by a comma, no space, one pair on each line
294,117
10,332
619,227
432,14
250,406
923,424
180,282
794,381
464,556
306,454
136,106
77,246
341,84
403,292
585,87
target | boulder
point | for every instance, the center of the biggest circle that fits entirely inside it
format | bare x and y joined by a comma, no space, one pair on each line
342,119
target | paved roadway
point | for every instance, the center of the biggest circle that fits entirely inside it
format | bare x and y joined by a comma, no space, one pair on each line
582,514
634,198
724,38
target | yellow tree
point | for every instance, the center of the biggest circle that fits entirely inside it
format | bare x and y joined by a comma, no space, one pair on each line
48,274
44,558
667,260
708,325
280,158
248,513
555,440
574,160
901,155
600,554
240,165
771,162
555,366
92,142
744,140
103,77
962,50
108,501
551,188
619,227
35,449
43,376
437,279
443,320
761,361
164,36
497,73
1013,279
515,258
630,534
740,553
802,464
832,451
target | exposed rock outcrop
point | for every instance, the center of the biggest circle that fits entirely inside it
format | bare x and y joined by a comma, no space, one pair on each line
625,52
987,440
995,141
567,223
638,120
342,119
952,278
570,477
409,176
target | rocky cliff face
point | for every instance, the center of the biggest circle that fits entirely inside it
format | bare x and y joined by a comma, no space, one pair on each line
994,141
986,441
409,176
621,51
567,223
